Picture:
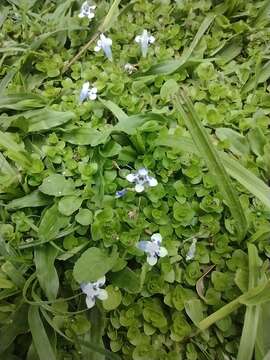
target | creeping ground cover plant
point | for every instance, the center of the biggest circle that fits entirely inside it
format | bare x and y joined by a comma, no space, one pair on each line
134,180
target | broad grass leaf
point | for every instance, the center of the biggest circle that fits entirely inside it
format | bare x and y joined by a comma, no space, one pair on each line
115,109
39,335
213,161
34,199
110,17
86,136
238,143
57,185
6,79
21,102
262,346
130,124
52,222
40,120
93,264
44,257
17,325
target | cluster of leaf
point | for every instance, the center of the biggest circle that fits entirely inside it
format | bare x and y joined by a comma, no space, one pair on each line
61,163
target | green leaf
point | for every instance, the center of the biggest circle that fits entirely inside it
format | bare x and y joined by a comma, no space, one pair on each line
126,279
44,258
34,199
110,17
51,223
86,136
93,264
84,217
262,346
39,120
263,76
169,88
17,325
194,310
168,67
211,157
114,298
238,143
57,185
39,335
129,125
115,109
69,204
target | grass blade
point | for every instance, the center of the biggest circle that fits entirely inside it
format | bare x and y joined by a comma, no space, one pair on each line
212,159
249,331
39,335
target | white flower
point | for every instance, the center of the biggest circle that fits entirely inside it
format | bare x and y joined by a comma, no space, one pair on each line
192,250
87,92
93,291
129,68
153,249
141,180
105,44
144,39
87,11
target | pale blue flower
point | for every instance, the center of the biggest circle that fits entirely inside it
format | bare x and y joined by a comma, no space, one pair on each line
192,250
120,193
144,40
87,11
87,92
153,248
141,179
93,291
105,44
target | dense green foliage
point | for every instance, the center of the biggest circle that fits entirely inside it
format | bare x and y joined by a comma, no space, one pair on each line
62,162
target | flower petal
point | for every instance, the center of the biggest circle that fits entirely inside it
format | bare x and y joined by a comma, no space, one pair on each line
90,302
102,294
138,38
92,96
131,177
156,238
139,188
87,288
91,15
142,172
152,260
151,39
152,181
143,245
162,252
97,48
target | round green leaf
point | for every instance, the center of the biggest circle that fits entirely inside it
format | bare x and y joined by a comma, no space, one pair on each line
57,185
84,217
69,204
114,298
93,264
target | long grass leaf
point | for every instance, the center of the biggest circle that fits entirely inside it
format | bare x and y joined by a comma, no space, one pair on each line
249,332
39,335
204,144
